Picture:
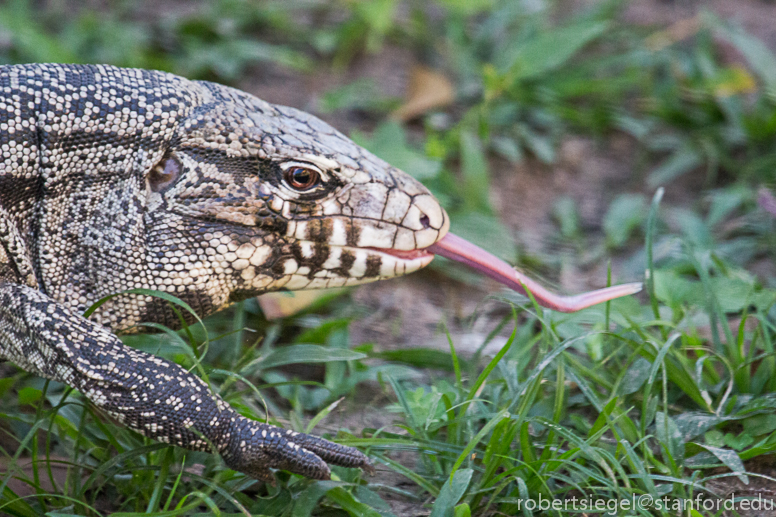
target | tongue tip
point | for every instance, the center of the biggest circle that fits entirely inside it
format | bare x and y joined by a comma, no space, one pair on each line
632,288
578,302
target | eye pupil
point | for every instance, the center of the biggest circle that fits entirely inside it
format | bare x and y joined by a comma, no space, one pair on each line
301,179
301,176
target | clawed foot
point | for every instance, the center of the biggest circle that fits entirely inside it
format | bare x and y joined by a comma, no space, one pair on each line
255,448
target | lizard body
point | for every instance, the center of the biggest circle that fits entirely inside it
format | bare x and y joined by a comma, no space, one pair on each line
113,179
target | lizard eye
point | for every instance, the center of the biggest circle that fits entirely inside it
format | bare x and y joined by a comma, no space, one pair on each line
301,178
164,174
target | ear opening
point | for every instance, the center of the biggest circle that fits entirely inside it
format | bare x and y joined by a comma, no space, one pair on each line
165,173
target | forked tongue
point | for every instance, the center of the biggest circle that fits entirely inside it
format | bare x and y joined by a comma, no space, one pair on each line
455,248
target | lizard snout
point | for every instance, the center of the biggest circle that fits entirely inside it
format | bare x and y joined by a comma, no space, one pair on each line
427,220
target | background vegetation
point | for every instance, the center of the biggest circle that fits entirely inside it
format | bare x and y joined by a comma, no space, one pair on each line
667,394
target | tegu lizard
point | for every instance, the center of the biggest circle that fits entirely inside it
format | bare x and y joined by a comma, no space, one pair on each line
113,179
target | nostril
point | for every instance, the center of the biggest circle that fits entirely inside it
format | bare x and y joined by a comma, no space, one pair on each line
425,221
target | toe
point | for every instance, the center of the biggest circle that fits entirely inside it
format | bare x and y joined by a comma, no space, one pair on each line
334,453
254,448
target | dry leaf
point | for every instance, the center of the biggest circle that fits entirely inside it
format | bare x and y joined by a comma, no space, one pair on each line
283,304
428,89
679,31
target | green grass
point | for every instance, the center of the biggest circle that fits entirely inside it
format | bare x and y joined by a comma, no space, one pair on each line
655,396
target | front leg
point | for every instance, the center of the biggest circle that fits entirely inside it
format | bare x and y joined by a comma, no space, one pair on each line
151,395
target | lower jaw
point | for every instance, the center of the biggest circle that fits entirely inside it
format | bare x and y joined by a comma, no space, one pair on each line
401,266
405,261
393,263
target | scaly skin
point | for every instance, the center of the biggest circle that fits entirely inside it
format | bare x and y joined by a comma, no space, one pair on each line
113,179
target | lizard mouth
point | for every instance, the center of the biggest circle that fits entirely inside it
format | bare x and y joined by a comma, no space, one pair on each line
404,254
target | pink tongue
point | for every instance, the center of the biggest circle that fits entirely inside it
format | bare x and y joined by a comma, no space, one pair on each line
460,250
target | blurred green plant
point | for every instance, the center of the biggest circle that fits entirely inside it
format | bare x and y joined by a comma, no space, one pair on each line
217,40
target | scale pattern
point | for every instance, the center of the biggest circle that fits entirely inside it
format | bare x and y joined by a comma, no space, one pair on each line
113,179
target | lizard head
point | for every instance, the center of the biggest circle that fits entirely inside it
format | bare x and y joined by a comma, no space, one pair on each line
264,197
281,200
